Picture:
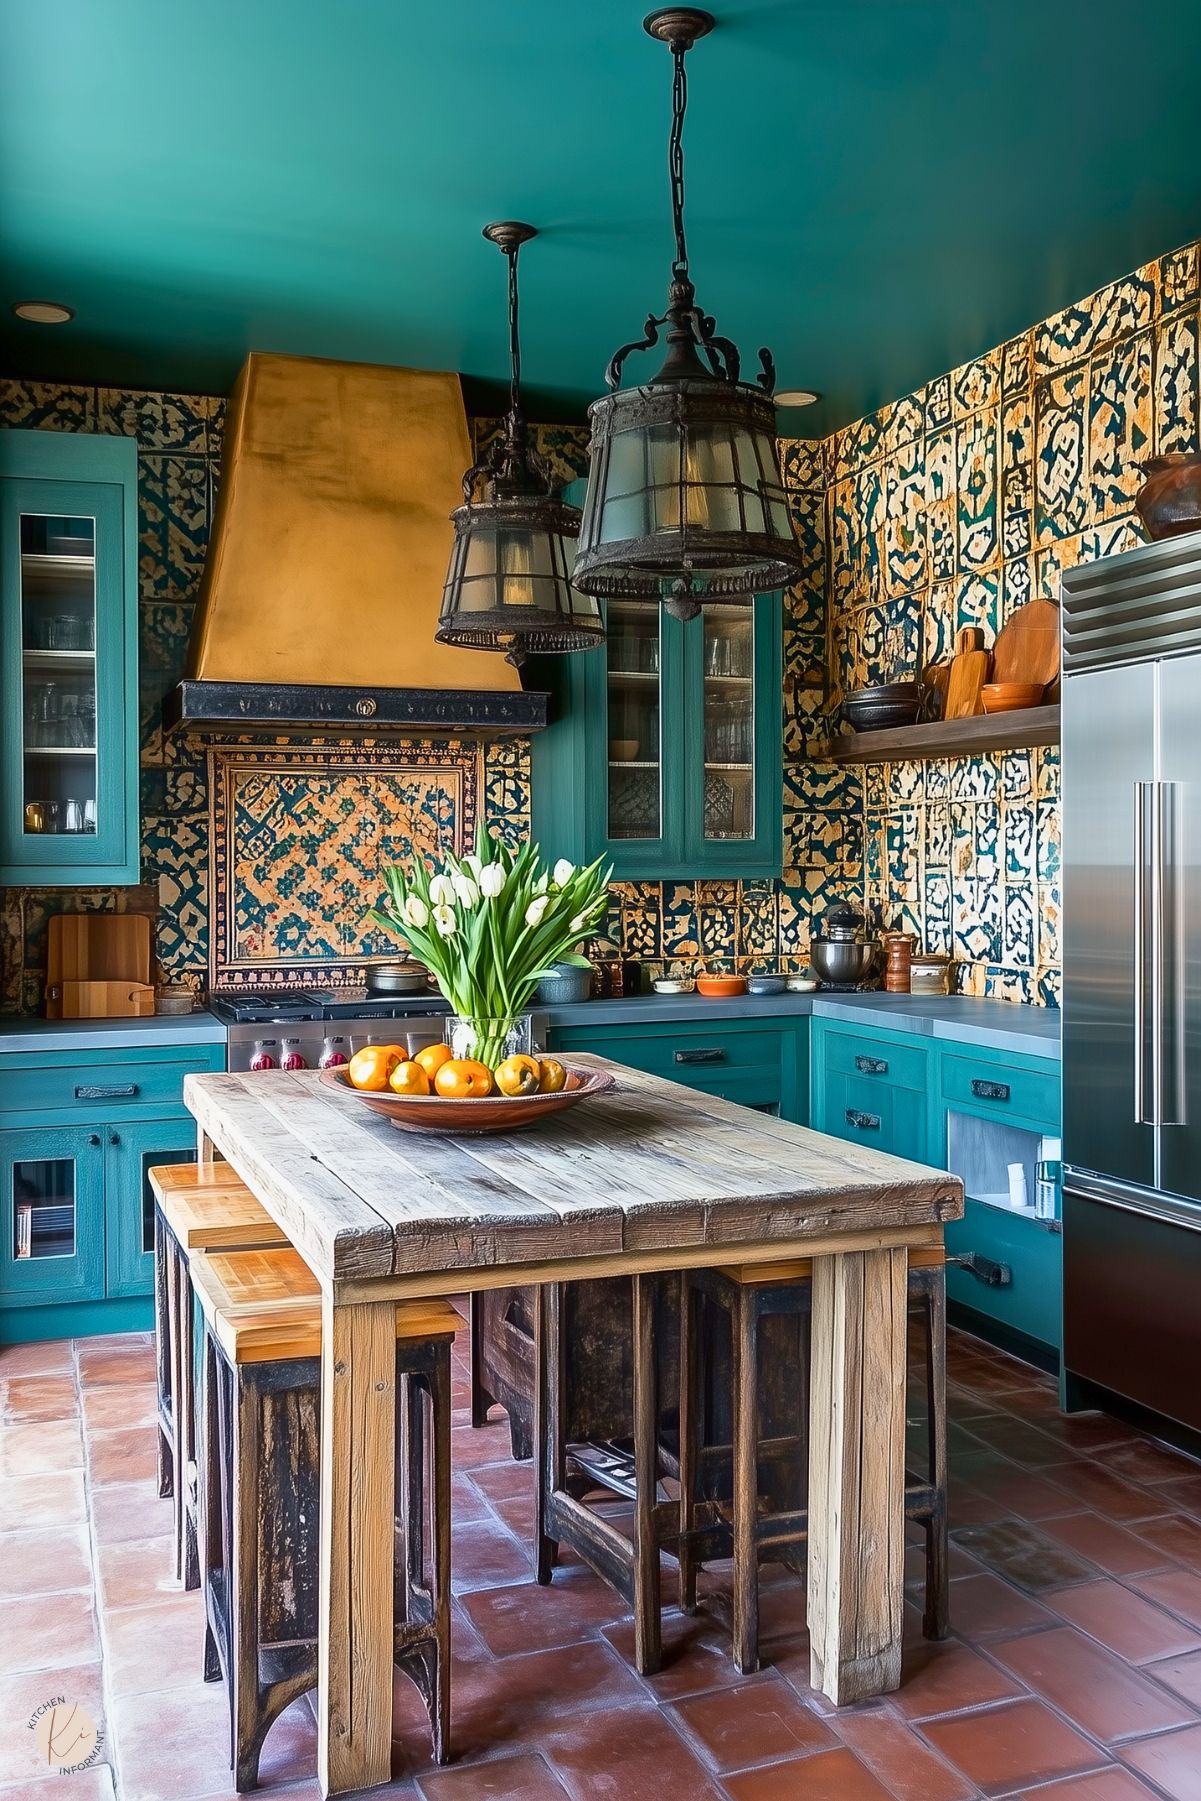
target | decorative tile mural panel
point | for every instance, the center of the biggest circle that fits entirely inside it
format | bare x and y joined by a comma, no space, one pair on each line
950,507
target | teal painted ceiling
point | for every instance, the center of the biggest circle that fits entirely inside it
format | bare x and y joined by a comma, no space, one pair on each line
878,189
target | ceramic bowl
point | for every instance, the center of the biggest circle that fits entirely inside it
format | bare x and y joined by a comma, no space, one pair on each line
720,987
495,1113
673,985
765,984
878,709
803,984
1008,697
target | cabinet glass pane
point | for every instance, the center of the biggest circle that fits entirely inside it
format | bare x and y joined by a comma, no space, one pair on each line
999,1164
635,755
728,654
155,1160
43,1209
58,671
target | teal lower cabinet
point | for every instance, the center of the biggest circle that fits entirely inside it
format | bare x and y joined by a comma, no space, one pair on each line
873,1088
1024,1257
78,1133
759,1063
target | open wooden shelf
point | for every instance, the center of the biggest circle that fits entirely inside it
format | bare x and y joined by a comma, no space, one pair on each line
950,737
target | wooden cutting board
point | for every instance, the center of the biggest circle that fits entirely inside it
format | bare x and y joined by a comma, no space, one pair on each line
936,679
969,672
1027,649
96,948
99,1000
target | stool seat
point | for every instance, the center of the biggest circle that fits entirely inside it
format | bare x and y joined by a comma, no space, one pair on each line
800,1269
224,1217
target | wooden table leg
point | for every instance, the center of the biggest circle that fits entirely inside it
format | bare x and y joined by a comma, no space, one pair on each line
358,1495
857,1473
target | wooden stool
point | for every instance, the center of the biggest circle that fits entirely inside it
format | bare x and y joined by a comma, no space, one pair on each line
197,1207
260,1492
568,1468
752,1525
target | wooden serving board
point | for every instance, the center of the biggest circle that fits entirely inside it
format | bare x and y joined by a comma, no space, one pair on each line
969,672
93,949
1027,649
99,1000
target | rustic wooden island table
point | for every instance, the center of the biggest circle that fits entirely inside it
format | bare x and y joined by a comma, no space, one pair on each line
651,1177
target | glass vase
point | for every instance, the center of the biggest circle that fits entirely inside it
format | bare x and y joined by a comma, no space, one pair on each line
489,1041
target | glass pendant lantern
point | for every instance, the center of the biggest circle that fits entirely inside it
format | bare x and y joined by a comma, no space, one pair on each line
509,585
685,502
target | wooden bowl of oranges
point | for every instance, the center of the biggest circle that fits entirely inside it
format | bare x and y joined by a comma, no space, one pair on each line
434,1091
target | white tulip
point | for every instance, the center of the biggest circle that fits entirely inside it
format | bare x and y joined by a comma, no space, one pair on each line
473,864
536,909
415,911
444,919
579,922
492,879
442,891
466,891
563,872
543,882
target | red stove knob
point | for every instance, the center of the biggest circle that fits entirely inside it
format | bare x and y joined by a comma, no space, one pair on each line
292,1056
333,1053
263,1054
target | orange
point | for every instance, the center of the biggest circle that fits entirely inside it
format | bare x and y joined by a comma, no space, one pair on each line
552,1077
371,1067
518,1075
431,1058
463,1079
409,1078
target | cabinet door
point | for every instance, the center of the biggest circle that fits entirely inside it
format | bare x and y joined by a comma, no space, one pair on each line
52,1199
875,1113
633,727
130,1152
731,738
68,703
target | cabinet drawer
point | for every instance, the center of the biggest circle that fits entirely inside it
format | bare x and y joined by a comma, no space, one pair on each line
1003,1088
60,1082
1031,1302
680,1055
876,1113
880,1060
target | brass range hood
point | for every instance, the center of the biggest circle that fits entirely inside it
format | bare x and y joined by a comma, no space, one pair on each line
327,558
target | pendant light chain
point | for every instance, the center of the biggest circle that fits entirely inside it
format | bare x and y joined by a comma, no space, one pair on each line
511,251
675,157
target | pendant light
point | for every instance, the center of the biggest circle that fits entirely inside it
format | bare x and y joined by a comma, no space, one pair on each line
509,586
685,500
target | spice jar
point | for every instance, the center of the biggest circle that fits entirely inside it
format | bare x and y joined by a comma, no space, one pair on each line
929,972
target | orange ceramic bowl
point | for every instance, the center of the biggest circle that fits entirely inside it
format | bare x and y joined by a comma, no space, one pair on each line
1010,697
720,987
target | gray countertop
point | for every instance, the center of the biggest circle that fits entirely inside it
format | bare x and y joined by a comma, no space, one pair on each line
20,1034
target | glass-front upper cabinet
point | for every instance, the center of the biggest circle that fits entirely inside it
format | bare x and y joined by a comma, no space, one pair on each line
68,795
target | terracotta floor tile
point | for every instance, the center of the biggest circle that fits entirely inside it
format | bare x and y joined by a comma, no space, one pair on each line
529,1618
1023,1554
1090,1685
1147,1460
897,1757
1027,1493
627,1756
39,1447
118,1404
696,1655
34,1636
1006,1748
174,1743
128,1455
124,1363
755,1722
501,1702
1182,1675
39,1398
1173,1761
1178,1537
1177,1590
1088,1432
1093,1485
51,1357
1183,1494
825,1776
93,1784
485,1554
467,1504
984,1604
940,1678
133,1573
21,1694
43,1500
471,1446
1103,1785
1017,1439
1113,1548
128,1510
503,1481
1127,1623
44,1563
528,1777
156,1646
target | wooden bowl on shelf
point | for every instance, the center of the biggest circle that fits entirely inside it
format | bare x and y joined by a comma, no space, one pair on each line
720,988
1010,697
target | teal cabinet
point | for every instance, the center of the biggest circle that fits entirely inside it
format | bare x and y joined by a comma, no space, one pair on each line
664,750
873,1088
79,1130
762,1064
68,659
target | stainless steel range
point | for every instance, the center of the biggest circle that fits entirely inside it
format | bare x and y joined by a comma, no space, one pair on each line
308,1029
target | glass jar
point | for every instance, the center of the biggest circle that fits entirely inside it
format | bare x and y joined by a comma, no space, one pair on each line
928,972
489,1041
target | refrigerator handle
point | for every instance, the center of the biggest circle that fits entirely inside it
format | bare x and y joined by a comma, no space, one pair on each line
1142,920
1169,960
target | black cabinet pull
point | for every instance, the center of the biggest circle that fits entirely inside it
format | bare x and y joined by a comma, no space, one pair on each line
93,1138
990,1091
114,1137
106,1091
863,1122
992,1274
872,1066
716,1055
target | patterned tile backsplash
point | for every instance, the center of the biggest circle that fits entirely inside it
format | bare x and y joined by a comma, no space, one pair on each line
950,507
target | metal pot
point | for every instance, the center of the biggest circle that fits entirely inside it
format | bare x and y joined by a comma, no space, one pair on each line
395,978
563,985
843,959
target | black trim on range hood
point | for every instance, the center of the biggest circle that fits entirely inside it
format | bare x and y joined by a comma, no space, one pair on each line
278,706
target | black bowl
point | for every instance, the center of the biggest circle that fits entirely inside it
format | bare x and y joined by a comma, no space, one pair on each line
889,704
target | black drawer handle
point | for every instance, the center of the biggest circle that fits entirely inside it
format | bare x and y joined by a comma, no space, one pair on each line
863,1122
990,1091
107,1091
716,1055
871,1066
993,1275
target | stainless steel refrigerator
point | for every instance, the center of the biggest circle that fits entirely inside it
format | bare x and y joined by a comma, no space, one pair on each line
1132,976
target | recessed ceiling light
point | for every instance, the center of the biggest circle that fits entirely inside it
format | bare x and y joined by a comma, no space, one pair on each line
797,396
44,312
